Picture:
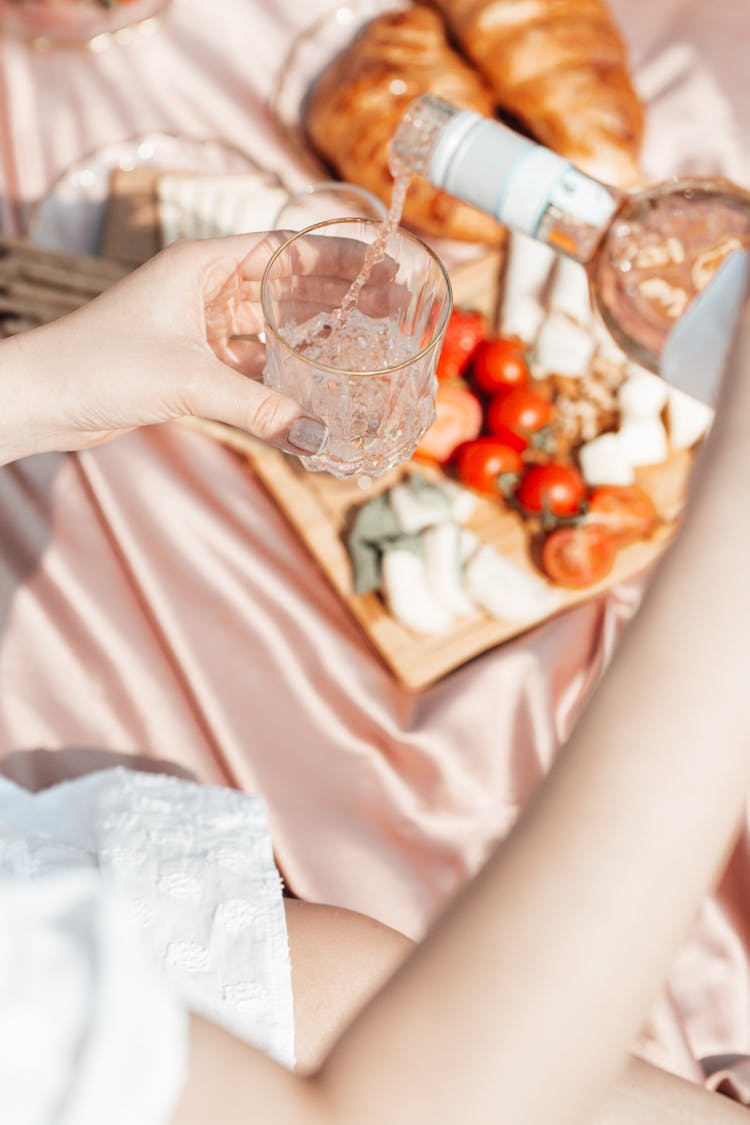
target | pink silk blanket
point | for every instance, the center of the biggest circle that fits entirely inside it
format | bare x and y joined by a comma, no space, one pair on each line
155,607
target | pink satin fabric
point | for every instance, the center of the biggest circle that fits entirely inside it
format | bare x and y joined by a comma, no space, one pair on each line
156,608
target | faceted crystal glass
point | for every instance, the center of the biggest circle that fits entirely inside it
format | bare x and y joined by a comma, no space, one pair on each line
375,388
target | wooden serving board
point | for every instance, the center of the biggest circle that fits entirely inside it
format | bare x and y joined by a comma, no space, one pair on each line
319,508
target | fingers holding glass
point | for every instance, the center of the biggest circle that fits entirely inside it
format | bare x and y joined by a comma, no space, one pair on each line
367,367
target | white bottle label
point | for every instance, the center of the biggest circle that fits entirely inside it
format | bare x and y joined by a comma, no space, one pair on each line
489,166
583,198
528,188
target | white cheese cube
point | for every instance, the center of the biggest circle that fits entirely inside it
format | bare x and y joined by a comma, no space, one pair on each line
642,394
563,347
522,315
687,419
643,441
570,292
606,345
528,265
604,461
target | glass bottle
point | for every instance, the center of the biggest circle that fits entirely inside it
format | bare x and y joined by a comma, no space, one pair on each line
647,253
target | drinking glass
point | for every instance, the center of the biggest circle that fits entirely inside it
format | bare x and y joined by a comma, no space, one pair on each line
328,199
93,24
379,406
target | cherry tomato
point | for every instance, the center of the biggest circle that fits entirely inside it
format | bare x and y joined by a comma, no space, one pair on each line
624,511
458,418
578,556
466,329
515,416
499,365
482,462
553,489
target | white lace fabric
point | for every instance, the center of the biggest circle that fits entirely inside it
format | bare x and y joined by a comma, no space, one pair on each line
188,868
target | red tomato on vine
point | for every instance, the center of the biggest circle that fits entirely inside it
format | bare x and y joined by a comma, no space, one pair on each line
578,556
517,416
499,365
487,465
553,489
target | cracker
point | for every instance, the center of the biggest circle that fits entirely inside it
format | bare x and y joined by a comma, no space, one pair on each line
131,227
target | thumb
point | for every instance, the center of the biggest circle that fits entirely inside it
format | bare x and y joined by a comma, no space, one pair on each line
222,394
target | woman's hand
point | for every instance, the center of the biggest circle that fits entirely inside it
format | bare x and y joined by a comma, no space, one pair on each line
157,345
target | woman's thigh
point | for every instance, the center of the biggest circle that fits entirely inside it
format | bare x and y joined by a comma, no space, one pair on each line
339,960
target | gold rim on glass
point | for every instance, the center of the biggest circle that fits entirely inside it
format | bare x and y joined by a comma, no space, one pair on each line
339,371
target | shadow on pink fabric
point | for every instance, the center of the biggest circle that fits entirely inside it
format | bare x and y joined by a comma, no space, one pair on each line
154,602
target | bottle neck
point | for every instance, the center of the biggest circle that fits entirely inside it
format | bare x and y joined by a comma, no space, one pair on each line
522,184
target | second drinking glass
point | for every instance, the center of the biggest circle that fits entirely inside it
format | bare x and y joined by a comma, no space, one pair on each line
327,199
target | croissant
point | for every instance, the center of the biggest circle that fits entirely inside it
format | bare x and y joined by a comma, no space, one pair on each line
561,68
354,108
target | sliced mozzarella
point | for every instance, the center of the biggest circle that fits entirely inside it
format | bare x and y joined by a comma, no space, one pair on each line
643,441
563,347
468,544
506,591
605,461
404,587
417,506
687,419
442,557
642,394
570,292
462,501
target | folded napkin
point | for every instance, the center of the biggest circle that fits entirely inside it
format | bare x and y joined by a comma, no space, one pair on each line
212,206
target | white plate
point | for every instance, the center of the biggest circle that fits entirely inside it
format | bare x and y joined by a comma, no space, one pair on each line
310,52
71,216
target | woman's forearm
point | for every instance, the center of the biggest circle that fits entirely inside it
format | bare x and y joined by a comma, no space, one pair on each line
551,956
18,427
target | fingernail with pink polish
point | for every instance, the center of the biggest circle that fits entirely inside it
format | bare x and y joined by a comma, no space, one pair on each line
308,435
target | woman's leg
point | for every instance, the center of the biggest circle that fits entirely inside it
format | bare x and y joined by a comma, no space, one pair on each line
645,1095
339,959
261,1089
